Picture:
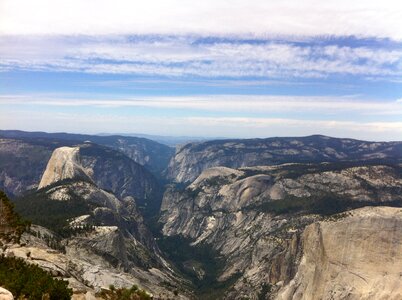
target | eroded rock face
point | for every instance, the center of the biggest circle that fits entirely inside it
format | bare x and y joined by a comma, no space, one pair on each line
116,247
221,191
124,227
113,247
107,241
146,152
112,251
115,172
23,164
66,163
107,168
193,158
254,217
358,257
63,164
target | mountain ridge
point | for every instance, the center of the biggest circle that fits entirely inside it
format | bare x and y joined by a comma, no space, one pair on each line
255,216
144,151
191,159
98,239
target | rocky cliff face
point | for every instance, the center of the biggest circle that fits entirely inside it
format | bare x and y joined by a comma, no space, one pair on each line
193,158
63,164
66,179
255,217
104,209
255,225
98,229
22,164
358,257
90,260
146,152
115,172
108,169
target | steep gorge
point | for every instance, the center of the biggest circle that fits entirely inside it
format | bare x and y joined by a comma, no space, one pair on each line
255,218
256,225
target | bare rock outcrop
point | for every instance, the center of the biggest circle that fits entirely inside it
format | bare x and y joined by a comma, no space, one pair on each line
63,164
357,257
5,294
27,164
254,217
192,159
87,272
146,152
102,239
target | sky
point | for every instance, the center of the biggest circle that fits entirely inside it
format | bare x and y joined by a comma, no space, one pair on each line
211,68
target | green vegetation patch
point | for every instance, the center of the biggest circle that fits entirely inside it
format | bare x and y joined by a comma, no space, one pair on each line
297,170
52,214
325,205
27,281
11,224
133,293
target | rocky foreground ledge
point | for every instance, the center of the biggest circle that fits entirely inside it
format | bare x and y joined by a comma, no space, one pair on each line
5,294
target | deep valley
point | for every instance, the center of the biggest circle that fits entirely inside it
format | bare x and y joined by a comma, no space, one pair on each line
280,218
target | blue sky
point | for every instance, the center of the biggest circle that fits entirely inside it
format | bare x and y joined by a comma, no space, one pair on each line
217,68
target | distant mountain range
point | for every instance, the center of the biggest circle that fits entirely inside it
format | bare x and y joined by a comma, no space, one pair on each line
193,158
273,218
172,141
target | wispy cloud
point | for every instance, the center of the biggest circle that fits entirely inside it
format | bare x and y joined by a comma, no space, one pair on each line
96,50
223,104
255,123
192,56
